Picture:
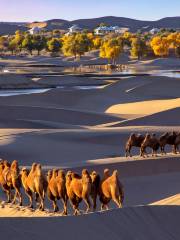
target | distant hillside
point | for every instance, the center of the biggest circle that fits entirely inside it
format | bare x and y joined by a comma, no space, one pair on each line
133,24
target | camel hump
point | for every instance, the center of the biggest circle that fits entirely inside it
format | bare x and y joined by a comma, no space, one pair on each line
75,175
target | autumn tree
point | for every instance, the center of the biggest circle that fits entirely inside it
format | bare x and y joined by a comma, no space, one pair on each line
111,49
18,40
174,42
76,44
3,44
160,46
12,45
138,48
97,42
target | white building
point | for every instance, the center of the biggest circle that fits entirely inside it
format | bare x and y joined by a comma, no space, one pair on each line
74,29
112,29
34,30
154,30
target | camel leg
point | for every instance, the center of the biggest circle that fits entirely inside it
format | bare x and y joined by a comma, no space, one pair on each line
55,206
41,206
174,149
64,200
30,196
76,210
102,207
88,204
8,193
94,198
15,196
18,193
117,201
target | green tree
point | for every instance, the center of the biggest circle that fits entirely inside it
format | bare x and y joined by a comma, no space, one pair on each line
54,45
12,45
138,48
3,44
28,43
39,43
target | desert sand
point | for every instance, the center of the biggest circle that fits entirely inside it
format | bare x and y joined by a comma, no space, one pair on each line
70,127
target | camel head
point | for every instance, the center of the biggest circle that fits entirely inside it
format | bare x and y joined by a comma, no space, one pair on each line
61,174
115,173
14,165
85,172
106,173
33,168
69,176
54,173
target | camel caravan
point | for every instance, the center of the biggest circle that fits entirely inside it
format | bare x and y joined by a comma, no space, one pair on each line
58,185
153,142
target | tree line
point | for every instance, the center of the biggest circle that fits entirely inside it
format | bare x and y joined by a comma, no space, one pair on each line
110,46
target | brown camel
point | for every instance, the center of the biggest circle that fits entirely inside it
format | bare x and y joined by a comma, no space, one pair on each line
177,143
27,179
40,185
74,200
5,187
111,189
163,141
135,140
149,141
12,178
57,188
172,141
95,178
79,188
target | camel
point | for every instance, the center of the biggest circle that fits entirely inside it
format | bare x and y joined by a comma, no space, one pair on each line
5,187
74,200
149,141
57,190
40,185
27,179
111,189
78,189
12,178
171,140
133,141
49,175
162,142
177,143
95,178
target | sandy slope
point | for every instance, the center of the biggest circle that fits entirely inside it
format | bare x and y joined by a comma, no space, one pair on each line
68,128
144,107
131,223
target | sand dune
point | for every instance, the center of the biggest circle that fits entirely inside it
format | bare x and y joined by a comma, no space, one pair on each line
88,128
164,118
131,223
145,107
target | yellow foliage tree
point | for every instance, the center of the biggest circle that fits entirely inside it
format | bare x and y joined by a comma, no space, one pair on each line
174,41
97,42
76,44
111,49
160,45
